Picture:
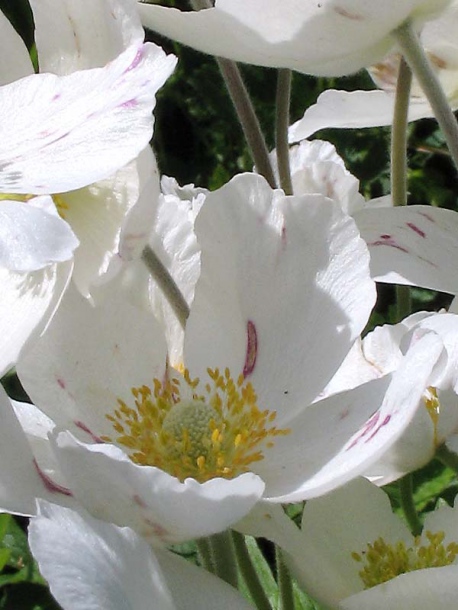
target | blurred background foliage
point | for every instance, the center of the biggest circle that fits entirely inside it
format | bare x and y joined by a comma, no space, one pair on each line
198,140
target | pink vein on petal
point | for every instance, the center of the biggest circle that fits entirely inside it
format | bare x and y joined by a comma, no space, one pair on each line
416,229
251,349
82,426
50,485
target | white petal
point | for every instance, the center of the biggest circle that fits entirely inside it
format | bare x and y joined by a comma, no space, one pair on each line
62,133
78,34
155,504
20,482
91,565
283,297
31,238
415,245
100,213
27,302
352,109
91,356
420,590
325,38
317,168
364,424
13,47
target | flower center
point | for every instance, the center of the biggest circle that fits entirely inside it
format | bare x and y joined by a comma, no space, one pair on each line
59,201
188,430
386,561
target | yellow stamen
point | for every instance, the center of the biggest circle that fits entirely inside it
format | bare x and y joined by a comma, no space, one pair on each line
386,561
220,432
433,407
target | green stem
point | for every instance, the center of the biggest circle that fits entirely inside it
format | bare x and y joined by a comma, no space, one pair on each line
281,129
244,109
224,557
249,574
408,505
167,284
285,584
447,457
205,554
399,165
412,50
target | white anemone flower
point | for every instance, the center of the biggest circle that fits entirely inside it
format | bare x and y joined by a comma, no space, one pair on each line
436,419
283,293
357,109
91,564
353,553
327,38
83,125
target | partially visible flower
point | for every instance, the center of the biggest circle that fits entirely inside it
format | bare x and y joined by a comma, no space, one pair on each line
61,132
357,109
181,453
327,38
436,419
90,564
353,553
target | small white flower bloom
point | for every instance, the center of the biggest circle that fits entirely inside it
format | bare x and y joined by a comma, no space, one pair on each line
326,38
353,553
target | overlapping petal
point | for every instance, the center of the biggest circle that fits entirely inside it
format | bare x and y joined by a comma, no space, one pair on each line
328,38
84,125
90,564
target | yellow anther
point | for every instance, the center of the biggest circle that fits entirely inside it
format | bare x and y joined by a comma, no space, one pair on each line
384,561
218,433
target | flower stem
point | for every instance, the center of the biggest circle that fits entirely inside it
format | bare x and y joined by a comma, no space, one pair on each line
285,584
281,129
412,50
205,554
167,284
244,109
249,574
408,505
399,164
447,457
224,558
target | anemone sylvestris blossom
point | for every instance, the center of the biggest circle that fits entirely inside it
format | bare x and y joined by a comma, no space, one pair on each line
91,564
357,109
436,419
283,292
64,131
327,38
352,553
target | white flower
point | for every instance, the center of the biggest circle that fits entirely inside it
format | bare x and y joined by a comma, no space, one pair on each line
326,38
90,564
436,420
61,132
356,109
350,538
283,293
